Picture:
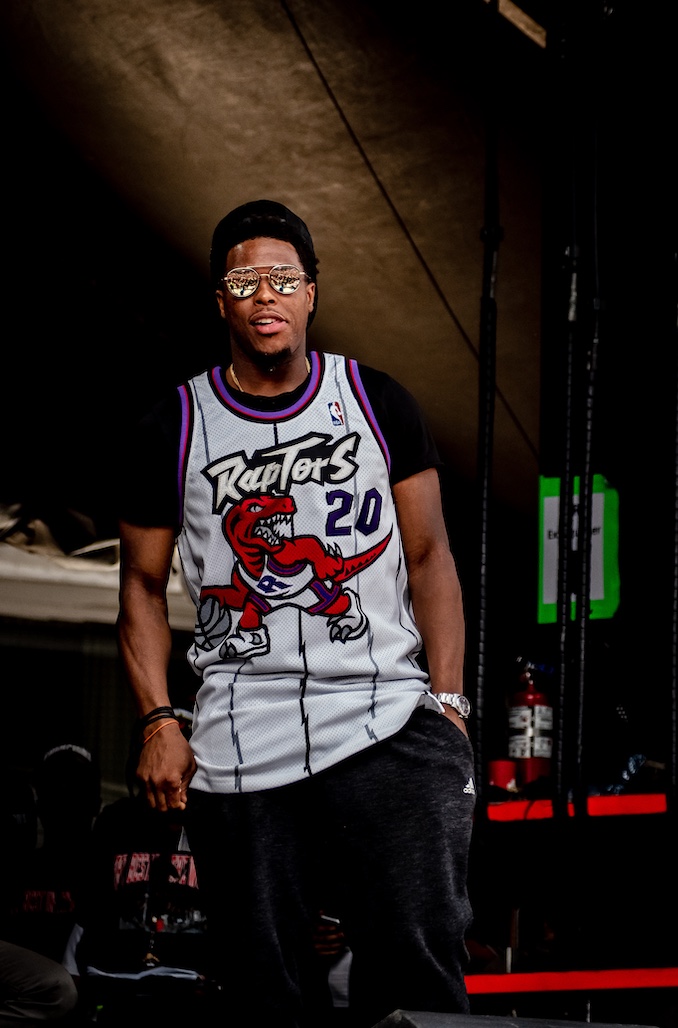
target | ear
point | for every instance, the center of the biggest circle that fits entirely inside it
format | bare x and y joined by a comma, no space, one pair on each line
310,295
220,301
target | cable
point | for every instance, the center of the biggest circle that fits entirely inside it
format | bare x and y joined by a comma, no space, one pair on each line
401,223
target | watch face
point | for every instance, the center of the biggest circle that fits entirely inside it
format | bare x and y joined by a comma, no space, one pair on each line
463,706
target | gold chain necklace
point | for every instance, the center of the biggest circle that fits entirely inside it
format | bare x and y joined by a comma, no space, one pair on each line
236,380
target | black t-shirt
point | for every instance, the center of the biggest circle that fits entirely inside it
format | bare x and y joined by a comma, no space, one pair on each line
148,490
42,900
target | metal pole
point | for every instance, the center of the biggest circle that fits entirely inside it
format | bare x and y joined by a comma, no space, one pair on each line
491,235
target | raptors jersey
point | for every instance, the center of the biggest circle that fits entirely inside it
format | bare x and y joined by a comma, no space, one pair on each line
304,638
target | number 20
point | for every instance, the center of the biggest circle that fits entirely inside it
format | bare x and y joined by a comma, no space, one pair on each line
368,517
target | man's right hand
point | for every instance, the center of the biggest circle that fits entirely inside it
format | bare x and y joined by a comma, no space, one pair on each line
166,767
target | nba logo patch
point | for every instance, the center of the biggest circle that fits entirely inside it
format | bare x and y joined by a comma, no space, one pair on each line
336,413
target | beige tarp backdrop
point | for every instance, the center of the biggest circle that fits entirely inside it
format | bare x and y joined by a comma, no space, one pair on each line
367,122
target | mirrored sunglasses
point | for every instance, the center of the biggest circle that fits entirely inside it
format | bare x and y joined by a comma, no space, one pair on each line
284,278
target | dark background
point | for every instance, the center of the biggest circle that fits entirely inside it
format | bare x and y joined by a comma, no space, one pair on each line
103,315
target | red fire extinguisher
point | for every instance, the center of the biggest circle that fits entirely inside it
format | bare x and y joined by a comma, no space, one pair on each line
530,719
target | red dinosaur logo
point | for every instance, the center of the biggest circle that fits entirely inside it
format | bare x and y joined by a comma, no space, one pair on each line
275,569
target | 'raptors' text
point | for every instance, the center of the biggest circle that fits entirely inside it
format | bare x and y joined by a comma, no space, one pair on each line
307,459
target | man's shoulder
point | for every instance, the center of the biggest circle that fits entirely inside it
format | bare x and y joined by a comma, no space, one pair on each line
381,386
371,377
167,402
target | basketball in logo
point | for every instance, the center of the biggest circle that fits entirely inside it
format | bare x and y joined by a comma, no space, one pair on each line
212,623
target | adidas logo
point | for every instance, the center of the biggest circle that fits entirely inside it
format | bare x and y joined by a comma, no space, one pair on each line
470,787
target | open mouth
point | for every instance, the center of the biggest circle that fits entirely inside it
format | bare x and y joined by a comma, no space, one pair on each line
266,326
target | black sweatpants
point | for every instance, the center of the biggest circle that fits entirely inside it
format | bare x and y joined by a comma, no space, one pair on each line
382,838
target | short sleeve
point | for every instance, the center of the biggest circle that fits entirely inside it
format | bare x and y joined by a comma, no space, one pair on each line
409,440
148,467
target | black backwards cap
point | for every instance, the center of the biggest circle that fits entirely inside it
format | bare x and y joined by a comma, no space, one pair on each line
263,218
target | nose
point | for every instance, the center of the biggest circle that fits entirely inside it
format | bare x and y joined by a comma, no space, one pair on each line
265,292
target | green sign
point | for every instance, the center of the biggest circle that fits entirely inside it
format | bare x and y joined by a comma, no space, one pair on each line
604,565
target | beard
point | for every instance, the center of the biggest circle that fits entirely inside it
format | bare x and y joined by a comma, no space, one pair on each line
270,362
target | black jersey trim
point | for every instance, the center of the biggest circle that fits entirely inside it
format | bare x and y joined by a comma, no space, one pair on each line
254,410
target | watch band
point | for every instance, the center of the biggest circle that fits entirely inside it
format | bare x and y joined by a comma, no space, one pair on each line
456,700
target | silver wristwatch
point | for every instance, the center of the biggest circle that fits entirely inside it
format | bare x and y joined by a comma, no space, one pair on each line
456,700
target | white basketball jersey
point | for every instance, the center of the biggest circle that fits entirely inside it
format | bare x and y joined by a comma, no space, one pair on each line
304,637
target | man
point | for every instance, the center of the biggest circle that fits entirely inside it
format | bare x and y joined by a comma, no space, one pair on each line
44,891
141,938
303,491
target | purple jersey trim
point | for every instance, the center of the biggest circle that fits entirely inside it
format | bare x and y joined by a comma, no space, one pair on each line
184,437
359,390
222,391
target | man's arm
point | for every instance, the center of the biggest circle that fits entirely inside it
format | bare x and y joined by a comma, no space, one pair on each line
435,588
166,764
